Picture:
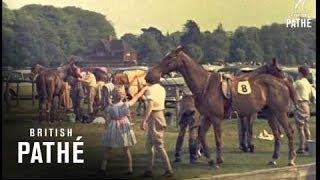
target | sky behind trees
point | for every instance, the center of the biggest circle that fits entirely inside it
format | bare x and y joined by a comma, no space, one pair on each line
129,16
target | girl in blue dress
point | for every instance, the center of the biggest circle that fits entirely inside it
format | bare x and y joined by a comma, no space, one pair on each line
118,132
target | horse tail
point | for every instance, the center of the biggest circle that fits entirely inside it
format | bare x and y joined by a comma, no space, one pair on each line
292,92
43,88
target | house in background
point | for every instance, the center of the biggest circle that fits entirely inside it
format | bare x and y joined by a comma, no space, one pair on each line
110,51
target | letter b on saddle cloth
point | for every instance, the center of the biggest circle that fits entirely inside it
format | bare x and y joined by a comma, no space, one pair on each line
227,85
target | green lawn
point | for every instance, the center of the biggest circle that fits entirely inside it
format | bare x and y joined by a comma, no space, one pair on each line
16,123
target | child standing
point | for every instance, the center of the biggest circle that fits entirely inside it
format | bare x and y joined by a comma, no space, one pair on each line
118,132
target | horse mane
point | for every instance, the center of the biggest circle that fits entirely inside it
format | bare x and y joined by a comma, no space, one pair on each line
188,57
193,61
278,73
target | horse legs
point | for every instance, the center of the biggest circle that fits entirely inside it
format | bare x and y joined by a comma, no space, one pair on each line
50,93
272,121
205,125
55,110
218,139
41,112
141,106
249,135
242,133
283,120
48,110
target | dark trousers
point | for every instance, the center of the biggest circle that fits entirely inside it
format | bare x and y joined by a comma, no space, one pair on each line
193,141
77,96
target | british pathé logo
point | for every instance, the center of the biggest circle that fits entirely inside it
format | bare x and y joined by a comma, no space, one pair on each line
42,152
299,18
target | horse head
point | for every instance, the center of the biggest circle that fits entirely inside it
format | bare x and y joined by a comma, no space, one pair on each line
171,62
35,70
119,79
101,73
272,68
69,69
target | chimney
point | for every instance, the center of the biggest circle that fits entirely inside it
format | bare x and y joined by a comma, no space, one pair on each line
109,38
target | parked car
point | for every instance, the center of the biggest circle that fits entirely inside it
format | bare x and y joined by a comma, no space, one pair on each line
293,74
236,70
121,69
173,84
25,88
212,68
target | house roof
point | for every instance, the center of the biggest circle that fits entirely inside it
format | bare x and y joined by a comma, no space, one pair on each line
116,45
77,58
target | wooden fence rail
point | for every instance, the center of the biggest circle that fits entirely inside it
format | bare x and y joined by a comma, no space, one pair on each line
173,99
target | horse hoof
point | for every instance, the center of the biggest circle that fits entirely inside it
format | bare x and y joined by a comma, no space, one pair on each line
244,149
251,148
220,160
177,160
272,163
211,163
291,163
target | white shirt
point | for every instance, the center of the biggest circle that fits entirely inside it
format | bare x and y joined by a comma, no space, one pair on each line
303,89
157,94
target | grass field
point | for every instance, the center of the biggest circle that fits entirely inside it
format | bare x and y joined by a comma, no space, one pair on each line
16,123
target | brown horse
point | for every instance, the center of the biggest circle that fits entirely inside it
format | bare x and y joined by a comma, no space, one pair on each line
101,73
133,80
36,69
49,85
268,94
273,69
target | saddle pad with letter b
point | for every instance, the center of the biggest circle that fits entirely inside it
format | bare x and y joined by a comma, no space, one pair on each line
244,87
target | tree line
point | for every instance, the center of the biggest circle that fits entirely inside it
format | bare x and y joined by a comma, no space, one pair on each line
42,34
245,44
36,33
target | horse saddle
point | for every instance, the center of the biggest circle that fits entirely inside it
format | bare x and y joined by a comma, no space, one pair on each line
228,82
226,85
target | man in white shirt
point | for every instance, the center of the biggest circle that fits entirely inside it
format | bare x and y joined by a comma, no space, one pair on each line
154,118
302,114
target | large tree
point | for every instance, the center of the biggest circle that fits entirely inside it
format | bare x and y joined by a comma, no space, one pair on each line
45,33
216,45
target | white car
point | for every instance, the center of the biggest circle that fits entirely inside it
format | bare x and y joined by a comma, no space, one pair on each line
25,87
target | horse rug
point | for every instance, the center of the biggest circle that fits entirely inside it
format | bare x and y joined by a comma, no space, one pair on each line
136,80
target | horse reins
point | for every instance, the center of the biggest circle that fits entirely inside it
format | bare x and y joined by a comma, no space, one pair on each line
205,89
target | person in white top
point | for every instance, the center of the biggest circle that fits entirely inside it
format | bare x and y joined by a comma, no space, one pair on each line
154,118
305,95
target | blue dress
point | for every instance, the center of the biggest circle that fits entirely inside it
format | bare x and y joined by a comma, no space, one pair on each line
118,132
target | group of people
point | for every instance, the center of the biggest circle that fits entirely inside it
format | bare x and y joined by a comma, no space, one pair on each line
119,133
84,87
